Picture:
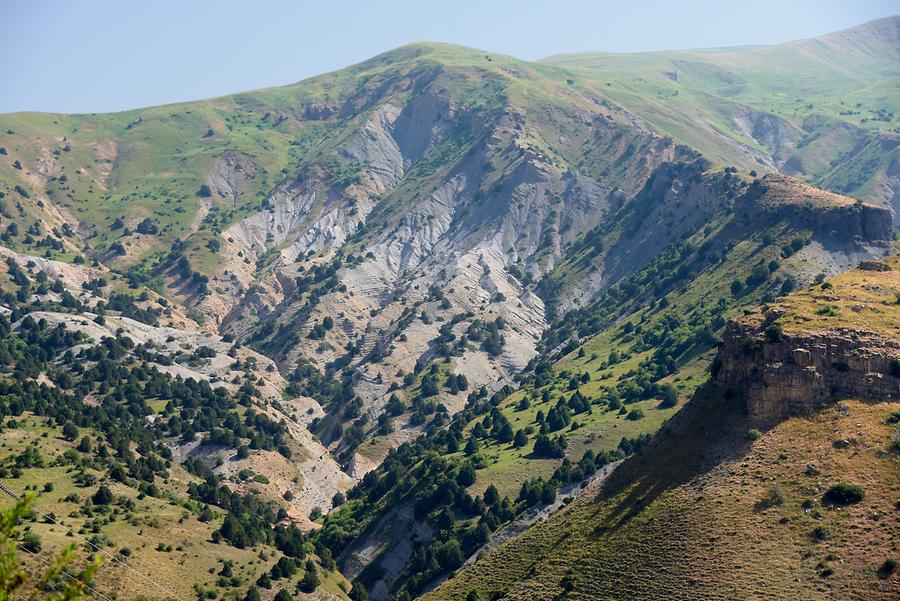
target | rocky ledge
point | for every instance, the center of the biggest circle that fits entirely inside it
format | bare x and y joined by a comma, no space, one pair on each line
784,375
780,197
838,340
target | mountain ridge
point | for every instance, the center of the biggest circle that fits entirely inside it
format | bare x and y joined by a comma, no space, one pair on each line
405,303
886,28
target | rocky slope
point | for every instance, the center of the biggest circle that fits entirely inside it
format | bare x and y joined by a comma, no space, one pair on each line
457,241
649,332
838,216
312,476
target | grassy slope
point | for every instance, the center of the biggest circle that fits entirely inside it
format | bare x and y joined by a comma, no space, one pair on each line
170,519
684,519
847,77
859,300
146,163
602,429
832,73
686,512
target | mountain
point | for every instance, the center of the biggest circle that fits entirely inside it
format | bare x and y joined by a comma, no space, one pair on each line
821,109
365,326
609,375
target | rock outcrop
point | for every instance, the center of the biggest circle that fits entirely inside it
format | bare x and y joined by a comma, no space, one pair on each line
794,375
780,197
840,340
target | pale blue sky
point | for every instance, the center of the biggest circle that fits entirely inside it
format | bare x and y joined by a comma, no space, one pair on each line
106,55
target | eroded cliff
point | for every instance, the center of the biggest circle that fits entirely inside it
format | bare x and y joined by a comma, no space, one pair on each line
838,340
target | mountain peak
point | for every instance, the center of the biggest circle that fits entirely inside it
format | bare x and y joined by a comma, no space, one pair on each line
886,31
441,52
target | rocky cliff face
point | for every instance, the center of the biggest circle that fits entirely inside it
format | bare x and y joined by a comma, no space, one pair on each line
800,374
777,196
837,341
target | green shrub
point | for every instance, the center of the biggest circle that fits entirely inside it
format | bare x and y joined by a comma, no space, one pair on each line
103,496
668,395
887,568
845,494
310,580
31,542
773,332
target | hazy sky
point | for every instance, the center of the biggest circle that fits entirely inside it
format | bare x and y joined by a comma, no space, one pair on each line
106,55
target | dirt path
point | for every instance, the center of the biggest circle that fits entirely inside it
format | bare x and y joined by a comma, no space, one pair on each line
202,211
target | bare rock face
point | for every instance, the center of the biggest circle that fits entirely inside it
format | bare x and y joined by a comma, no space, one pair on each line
770,131
797,374
318,111
780,197
458,247
874,265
